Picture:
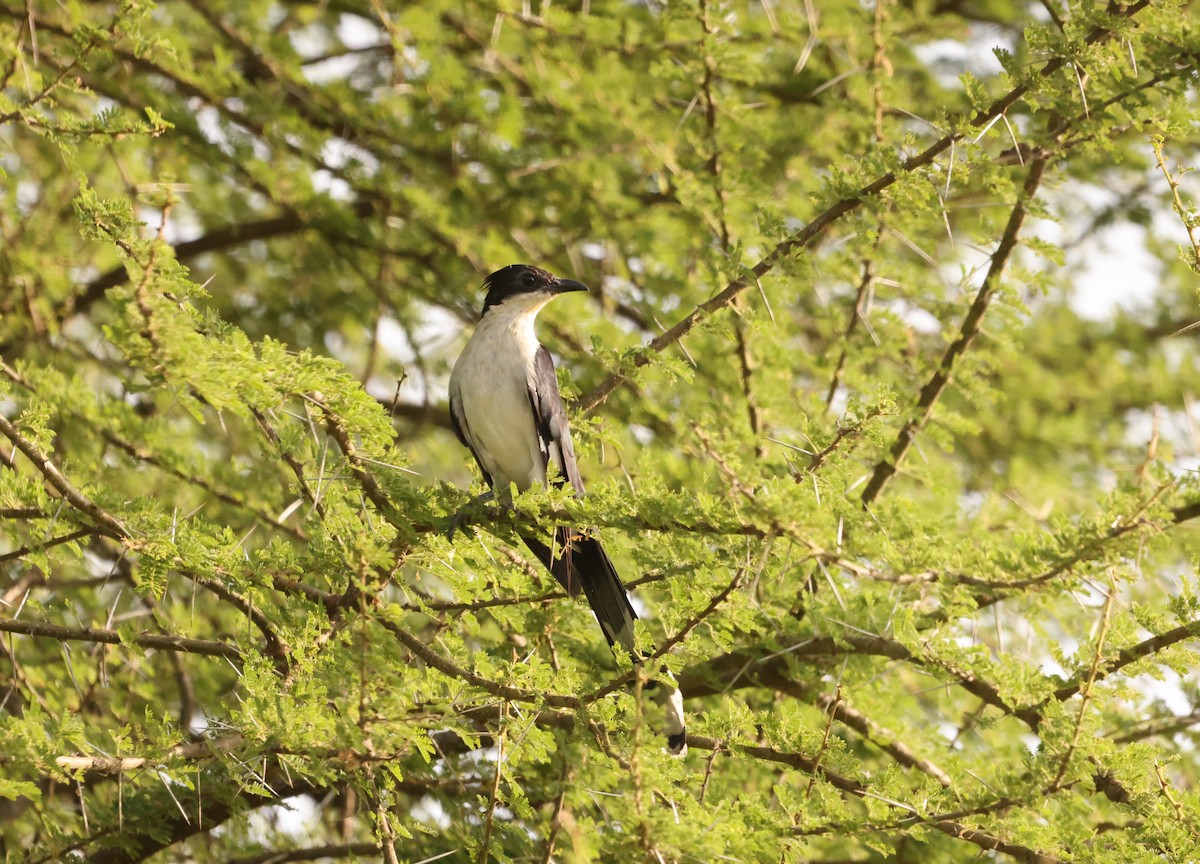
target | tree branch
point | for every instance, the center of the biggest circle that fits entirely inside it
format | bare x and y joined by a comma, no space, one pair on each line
160,823
882,738
936,386
991,843
157,641
727,671
47,544
276,649
1126,657
313,853
106,522
216,240
451,669
810,233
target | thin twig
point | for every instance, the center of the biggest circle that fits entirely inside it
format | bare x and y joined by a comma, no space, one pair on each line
1188,217
1086,689
486,846
389,836
832,710
886,468
557,817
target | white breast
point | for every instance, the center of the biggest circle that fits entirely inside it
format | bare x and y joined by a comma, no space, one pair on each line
490,384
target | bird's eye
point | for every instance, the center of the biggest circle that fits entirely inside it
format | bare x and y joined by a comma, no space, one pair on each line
528,280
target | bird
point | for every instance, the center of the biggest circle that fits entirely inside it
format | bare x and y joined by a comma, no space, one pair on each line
505,407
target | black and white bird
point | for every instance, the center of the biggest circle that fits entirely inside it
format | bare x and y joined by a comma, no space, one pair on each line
506,409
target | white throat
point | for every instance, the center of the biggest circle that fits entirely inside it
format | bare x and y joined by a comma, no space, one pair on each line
512,322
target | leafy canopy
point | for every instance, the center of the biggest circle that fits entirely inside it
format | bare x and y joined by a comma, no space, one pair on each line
881,395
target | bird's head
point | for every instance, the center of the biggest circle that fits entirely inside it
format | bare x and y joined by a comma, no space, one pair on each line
528,287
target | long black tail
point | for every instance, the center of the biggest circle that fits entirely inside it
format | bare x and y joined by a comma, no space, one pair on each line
582,563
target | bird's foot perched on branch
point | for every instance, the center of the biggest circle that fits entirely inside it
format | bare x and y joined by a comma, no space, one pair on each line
470,513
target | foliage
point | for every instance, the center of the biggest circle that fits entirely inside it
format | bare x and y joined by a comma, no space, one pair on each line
913,512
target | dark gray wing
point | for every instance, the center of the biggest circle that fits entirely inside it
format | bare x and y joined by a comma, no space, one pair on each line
458,422
550,418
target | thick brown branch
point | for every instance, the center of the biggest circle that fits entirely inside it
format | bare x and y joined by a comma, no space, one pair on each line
1186,512
991,843
743,669
106,522
438,415
157,641
23,513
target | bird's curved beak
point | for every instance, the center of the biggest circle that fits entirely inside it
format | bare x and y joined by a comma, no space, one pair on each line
562,286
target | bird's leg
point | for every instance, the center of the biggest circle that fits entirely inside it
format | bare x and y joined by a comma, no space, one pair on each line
467,513
462,518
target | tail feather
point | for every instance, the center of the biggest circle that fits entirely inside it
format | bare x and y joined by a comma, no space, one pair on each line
558,566
583,564
543,553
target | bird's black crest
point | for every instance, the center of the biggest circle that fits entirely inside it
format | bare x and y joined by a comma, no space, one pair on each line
515,279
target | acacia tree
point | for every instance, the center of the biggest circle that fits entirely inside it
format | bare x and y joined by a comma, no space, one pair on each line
911,516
